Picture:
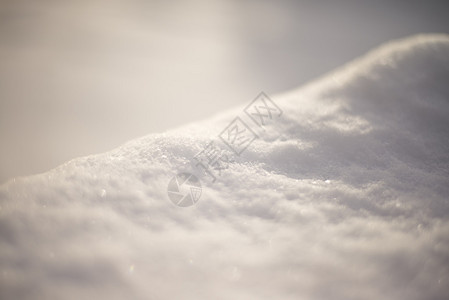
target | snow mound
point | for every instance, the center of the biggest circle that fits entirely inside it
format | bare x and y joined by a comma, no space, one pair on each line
349,201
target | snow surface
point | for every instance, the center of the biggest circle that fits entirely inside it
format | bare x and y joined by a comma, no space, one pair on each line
350,202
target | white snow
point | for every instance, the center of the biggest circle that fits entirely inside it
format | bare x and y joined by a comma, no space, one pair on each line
350,202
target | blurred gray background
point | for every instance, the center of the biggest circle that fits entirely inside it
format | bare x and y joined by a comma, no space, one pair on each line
82,77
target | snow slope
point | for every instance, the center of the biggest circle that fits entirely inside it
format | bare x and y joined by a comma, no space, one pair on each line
351,201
